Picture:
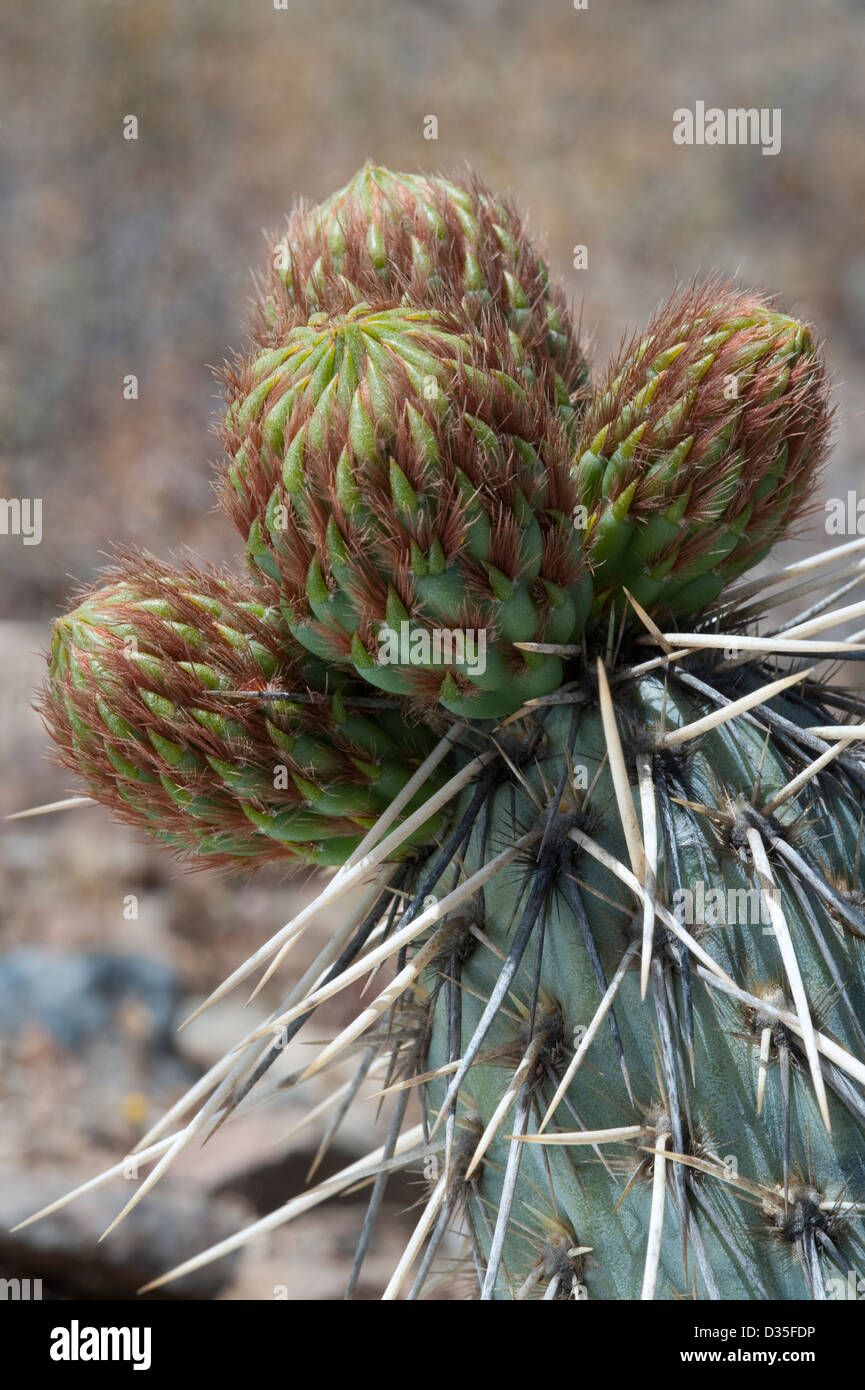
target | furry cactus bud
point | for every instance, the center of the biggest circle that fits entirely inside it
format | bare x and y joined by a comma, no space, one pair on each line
442,243
698,447
411,499
136,701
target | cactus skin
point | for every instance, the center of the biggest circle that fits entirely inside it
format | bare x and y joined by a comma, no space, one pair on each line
133,701
683,487
388,467
440,243
712,1114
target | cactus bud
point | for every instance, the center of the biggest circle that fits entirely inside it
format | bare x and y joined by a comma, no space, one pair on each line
443,243
136,701
410,499
698,447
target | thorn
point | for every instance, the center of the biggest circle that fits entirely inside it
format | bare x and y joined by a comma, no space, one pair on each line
364,1168
649,809
421,1080
119,1170
621,1135
830,1049
178,1143
784,1071
765,1044
512,1090
716,1170
565,695
520,777
656,1219
631,672
784,645
649,623
758,780
791,967
712,812
407,934
69,804
805,776
618,769
549,648
605,858
419,1235
731,711
506,1199
534,1278
611,633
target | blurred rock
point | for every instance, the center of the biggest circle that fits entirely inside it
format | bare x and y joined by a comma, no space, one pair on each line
79,997
62,1250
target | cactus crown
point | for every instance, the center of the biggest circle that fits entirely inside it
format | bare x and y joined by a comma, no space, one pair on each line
436,242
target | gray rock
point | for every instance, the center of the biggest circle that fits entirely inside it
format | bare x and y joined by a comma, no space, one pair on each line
77,997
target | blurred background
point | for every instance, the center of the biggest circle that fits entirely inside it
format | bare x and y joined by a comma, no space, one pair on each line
134,257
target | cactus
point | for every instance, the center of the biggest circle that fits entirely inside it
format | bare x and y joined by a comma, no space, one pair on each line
697,449
392,474
668,1087
139,699
440,243
620,960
